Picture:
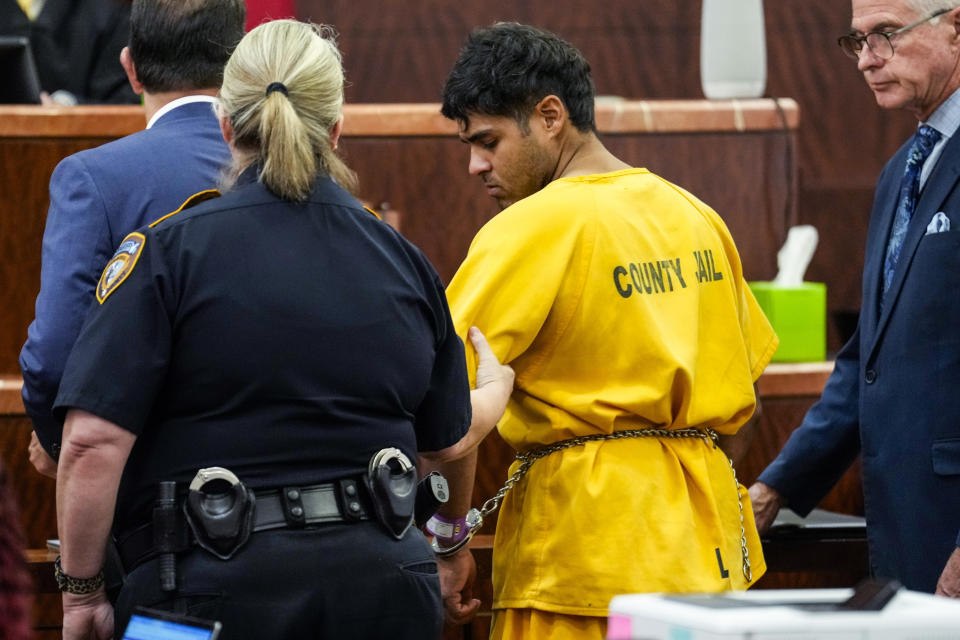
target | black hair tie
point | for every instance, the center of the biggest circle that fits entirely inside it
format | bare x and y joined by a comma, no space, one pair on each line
276,86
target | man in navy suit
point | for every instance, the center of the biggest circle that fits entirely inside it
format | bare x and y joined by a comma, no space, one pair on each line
175,59
894,395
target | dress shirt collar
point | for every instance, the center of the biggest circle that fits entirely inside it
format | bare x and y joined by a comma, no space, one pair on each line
946,120
179,102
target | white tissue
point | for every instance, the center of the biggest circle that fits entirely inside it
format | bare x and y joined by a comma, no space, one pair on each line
795,255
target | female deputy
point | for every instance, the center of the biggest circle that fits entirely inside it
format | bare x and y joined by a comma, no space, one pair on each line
285,333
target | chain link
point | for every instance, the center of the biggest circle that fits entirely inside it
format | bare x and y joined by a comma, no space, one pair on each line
527,458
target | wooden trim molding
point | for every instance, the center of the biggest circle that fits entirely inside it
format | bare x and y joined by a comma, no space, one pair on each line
11,402
794,379
83,121
778,380
614,116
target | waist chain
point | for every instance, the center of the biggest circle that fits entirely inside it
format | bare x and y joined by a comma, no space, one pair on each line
527,458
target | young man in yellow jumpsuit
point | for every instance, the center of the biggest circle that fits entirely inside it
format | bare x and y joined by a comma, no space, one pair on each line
619,300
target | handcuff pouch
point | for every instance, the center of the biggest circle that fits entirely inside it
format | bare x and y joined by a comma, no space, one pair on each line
221,519
392,482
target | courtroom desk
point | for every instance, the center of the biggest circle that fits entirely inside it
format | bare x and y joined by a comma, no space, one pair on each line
47,603
41,568
796,560
787,391
737,155
33,492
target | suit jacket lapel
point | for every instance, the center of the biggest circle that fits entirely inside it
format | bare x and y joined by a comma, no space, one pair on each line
939,185
884,209
878,234
53,13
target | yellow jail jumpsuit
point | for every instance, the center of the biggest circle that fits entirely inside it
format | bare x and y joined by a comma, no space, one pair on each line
620,302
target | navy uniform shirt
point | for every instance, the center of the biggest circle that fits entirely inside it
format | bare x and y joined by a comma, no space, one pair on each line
286,342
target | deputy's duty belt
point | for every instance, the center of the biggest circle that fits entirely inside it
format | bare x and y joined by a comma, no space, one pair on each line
316,504
289,507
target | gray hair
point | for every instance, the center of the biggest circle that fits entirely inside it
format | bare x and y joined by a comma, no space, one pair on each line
930,7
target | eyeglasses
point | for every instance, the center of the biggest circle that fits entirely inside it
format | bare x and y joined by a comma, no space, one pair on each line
879,42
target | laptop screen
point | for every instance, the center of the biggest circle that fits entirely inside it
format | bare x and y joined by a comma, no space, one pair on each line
19,83
146,625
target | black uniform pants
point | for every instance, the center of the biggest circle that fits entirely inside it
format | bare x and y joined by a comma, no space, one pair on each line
332,581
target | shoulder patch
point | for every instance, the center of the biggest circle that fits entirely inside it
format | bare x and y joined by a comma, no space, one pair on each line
120,265
193,200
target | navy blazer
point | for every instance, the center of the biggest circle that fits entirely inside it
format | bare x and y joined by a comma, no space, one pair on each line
894,395
97,197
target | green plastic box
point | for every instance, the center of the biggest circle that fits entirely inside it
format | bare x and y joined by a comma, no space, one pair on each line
799,316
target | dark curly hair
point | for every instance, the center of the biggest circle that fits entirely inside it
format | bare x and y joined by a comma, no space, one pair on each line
507,68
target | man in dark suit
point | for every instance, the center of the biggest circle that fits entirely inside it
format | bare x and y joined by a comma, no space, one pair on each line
893,395
175,60
76,45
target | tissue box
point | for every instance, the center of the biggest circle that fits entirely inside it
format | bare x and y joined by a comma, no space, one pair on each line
799,316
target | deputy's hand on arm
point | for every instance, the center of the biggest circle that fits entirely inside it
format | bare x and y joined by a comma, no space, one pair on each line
949,582
494,386
87,616
767,502
457,463
495,378
39,457
488,401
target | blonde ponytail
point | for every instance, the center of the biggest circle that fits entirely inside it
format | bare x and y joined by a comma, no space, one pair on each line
289,163
283,92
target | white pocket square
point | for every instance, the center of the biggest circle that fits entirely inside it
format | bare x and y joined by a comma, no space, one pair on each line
938,223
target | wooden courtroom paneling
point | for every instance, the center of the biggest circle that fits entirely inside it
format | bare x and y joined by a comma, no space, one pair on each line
25,168
34,493
32,141
401,52
442,208
749,175
409,156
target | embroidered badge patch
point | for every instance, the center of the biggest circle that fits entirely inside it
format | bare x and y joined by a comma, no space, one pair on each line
120,265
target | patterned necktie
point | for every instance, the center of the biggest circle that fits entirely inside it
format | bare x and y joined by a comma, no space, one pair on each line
923,143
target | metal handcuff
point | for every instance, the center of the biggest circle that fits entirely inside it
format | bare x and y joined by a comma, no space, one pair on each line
221,521
474,517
